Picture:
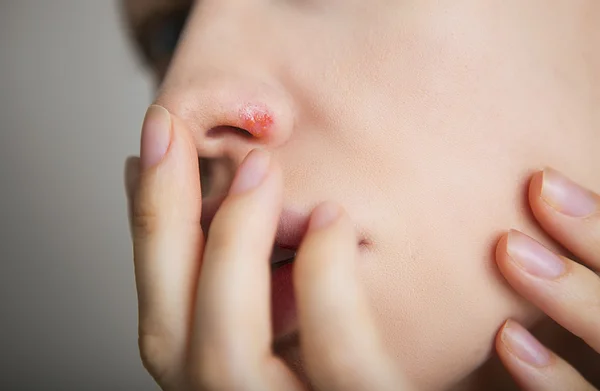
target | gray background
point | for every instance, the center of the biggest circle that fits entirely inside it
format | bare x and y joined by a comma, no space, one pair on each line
72,97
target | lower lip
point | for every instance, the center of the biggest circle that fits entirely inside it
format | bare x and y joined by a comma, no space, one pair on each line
283,303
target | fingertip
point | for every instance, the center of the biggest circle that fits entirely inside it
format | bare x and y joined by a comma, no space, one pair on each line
330,235
502,248
328,256
168,157
536,202
502,333
324,215
167,141
499,344
156,136
531,364
535,187
509,360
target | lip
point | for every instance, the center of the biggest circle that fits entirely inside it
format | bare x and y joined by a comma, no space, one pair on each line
290,230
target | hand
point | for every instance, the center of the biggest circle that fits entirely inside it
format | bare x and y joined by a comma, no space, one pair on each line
204,309
566,290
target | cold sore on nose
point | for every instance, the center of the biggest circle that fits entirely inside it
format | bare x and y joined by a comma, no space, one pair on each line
257,120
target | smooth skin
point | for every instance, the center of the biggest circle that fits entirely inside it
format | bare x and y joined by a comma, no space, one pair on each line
204,304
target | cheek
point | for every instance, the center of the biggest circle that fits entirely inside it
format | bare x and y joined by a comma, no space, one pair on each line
459,181
443,151
435,287
433,278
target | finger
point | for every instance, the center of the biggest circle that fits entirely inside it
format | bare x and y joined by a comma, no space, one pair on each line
132,174
565,290
167,241
534,367
232,338
569,213
339,339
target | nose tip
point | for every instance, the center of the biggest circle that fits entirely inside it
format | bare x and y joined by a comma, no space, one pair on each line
231,118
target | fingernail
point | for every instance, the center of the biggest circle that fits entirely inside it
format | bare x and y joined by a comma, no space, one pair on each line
566,196
534,258
251,172
324,215
156,136
525,346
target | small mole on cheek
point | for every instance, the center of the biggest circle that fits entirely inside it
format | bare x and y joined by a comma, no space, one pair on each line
256,120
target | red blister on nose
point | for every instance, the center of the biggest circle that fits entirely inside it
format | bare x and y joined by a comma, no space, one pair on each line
256,119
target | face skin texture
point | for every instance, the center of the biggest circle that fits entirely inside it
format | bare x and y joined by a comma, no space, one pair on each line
424,119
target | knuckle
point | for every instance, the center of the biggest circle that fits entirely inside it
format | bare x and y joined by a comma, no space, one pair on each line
145,221
591,300
589,324
154,357
592,236
340,371
211,370
201,378
593,305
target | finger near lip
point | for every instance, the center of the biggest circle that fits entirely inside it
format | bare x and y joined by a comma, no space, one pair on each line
232,328
532,365
563,289
569,213
339,340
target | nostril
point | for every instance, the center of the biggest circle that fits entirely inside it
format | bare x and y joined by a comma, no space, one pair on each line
252,121
219,131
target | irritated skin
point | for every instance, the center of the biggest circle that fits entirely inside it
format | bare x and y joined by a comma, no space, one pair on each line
424,119
256,120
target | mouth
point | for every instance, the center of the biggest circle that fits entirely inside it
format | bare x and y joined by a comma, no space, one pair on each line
290,232
291,229
281,257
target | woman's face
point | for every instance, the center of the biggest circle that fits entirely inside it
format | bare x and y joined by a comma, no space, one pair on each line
423,119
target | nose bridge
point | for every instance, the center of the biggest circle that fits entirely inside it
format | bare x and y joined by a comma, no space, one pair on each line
226,31
221,76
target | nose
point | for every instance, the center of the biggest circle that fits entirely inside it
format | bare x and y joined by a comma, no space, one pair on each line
229,115
222,84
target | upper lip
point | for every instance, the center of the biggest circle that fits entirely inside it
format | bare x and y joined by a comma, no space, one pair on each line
290,230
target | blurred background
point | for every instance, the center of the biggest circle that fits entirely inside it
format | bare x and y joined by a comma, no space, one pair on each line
72,98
